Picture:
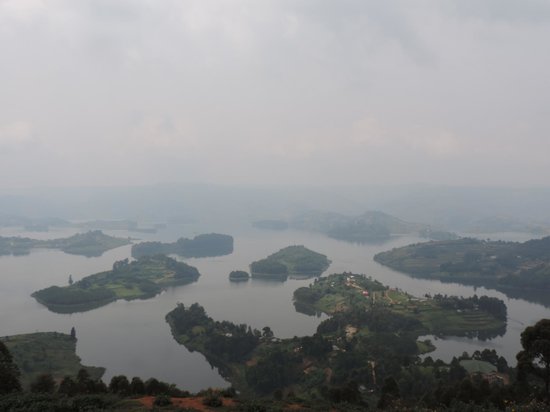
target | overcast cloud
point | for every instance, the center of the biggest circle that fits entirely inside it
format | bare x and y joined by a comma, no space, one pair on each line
109,92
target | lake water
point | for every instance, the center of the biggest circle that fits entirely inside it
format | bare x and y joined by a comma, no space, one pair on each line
132,338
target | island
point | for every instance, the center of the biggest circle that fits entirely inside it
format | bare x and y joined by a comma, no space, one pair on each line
482,317
372,334
206,245
297,261
271,224
139,279
516,269
370,227
239,276
51,353
89,244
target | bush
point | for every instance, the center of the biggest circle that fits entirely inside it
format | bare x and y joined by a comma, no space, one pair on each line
162,400
213,399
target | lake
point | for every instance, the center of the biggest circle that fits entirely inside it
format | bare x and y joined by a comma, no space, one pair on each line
132,338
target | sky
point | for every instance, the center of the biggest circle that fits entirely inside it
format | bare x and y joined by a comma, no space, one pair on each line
133,92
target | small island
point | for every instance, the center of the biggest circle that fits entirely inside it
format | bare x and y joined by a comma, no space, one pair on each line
47,352
296,261
206,245
239,276
517,269
89,244
483,317
140,279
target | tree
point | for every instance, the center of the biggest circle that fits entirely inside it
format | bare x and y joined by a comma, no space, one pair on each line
9,372
534,359
43,384
267,332
137,387
70,279
73,333
119,385
68,386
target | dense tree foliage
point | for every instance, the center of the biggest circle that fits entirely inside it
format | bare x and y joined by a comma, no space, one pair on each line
9,372
535,357
224,340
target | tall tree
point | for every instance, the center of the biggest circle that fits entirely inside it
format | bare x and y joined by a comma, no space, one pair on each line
9,372
535,357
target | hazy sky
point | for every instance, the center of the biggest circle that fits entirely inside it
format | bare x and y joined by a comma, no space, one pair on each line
109,92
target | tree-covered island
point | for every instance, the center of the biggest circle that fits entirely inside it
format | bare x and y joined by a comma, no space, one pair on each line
482,317
91,244
139,279
206,245
517,269
292,260
239,276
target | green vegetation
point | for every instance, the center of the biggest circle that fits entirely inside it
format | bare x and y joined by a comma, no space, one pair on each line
483,317
140,279
372,226
50,353
518,269
93,243
212,244
238,276
292,260
349,364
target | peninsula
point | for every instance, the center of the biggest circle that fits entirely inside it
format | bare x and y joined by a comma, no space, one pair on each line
140,279
517,269
364,340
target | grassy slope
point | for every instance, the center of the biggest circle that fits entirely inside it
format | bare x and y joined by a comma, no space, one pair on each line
46,352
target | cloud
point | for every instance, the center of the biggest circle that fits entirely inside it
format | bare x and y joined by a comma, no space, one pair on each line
16,134
376,89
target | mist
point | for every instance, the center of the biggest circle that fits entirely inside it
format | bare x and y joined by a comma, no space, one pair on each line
133,93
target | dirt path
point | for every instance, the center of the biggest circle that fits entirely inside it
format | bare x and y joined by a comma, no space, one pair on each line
194,402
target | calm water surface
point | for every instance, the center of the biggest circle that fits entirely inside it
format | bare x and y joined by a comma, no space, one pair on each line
132,338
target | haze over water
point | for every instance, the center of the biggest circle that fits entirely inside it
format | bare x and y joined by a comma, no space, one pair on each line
132,338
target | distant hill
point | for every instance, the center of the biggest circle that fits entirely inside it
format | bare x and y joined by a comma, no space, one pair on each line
371,226
496,224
